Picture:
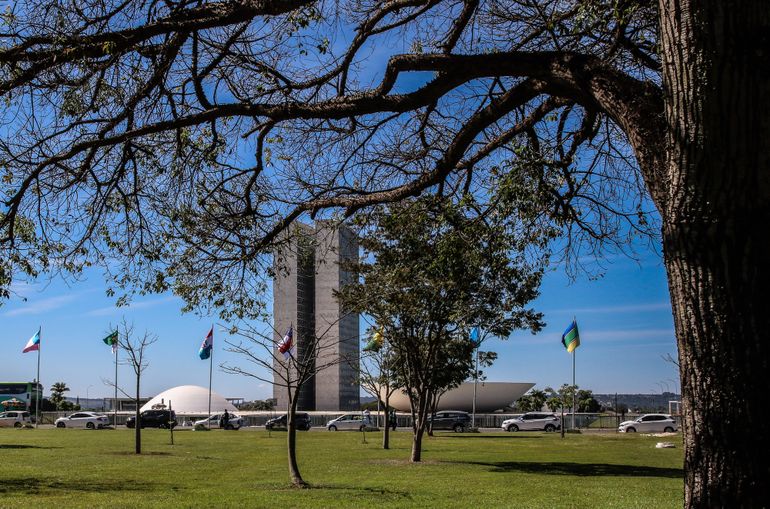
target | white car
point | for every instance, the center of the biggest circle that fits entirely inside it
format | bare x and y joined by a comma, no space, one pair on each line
650,423
354,422
234,421
14,419
90,420
532,421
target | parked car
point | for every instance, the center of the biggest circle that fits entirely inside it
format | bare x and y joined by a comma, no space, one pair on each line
450,419
650,423
234,421
302,422
14,419
353,422
533,421
154,419
90,420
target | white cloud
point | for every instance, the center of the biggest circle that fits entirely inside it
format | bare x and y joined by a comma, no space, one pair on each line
36,307
110,310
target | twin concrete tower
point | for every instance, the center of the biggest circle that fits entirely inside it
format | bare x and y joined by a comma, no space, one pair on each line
303,297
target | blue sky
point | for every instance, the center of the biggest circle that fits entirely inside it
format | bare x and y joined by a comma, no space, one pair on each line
624,318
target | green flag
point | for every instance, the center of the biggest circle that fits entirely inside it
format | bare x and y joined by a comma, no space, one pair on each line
112,340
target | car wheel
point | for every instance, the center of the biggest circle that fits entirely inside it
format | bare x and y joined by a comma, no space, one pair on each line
630,430
549,428
90,425
668,429
513,427
459,428
60,425
230,427
332,428
17,425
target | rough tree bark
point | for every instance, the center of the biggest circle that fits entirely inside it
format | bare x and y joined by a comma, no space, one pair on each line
291,437
717,80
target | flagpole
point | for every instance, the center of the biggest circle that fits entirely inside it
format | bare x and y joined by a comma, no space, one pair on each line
211,371
475,383
574,388
115,400
37,391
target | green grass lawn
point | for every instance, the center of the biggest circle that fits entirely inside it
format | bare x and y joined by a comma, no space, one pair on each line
74,468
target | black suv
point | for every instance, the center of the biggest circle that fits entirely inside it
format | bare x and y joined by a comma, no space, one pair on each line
154,419
302,421
451,419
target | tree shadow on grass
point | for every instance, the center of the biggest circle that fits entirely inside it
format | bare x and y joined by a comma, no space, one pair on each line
363,490
579,469
35,485
493,437
25,446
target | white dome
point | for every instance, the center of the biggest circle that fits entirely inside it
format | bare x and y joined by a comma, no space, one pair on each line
490,396
190,399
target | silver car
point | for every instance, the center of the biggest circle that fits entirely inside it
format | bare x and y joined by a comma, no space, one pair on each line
14,419
649,423
355,422
532,421
89,420
234,421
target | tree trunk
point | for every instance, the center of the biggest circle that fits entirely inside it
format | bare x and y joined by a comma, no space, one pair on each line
138,424
417,444
291,437
386,432
716,243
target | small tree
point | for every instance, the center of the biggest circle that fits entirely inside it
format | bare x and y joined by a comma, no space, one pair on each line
135,346
291,371
377,375
57,394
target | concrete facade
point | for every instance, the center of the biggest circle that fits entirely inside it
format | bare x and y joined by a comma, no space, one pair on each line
303,296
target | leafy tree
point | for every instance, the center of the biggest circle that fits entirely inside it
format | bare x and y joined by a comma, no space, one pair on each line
554,403
538,399
608,109
258,404
586,402
524,403
432,269
57,394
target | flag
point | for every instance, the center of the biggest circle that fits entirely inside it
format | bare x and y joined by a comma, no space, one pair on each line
474,336
571,339
112,340
288,341
207,345
375,343
33,343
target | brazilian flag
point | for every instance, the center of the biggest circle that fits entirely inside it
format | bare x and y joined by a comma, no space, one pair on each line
571,338
375,344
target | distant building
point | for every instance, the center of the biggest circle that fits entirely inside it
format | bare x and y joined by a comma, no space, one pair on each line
303,298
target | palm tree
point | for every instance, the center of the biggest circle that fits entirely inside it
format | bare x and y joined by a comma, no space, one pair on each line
57,394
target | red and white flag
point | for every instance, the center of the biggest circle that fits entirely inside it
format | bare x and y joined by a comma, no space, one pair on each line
286,344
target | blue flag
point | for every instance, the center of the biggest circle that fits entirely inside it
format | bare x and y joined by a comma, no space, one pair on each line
474,336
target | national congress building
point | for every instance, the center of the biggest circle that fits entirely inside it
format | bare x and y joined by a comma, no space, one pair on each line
303,298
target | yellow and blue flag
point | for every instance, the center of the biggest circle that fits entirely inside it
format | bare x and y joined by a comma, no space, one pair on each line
571,338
